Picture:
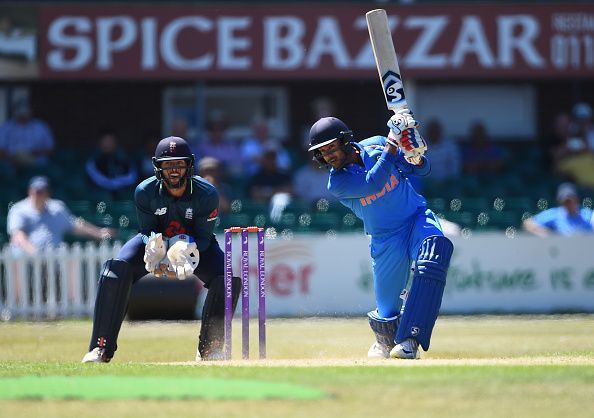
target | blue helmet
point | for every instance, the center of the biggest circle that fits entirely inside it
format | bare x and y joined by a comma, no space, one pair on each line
326,131
173,148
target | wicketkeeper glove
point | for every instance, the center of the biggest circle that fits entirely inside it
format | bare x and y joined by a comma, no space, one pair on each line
154,252
183,256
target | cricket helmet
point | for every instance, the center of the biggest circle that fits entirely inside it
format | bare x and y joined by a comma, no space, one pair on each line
326,131
173,148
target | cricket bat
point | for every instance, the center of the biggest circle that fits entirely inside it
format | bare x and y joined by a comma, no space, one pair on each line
385,59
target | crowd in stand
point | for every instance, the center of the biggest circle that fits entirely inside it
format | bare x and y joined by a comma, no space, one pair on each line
261,168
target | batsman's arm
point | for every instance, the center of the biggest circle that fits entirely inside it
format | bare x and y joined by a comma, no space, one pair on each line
147,220
346,185
422,169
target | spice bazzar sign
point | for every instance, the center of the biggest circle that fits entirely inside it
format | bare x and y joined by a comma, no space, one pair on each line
297,42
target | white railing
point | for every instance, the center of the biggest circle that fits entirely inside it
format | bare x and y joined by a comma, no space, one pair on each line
54,283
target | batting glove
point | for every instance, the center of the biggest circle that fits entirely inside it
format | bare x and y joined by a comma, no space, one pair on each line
154,252
401,121
411,143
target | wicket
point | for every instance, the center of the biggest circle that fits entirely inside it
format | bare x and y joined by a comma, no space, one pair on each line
245,291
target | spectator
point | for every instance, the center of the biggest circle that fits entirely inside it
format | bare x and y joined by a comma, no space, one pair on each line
253,147
269,179
310,183
215,143
320,107
582,125
39,222
480,155
446,161
557,140
180,129
24,140
110,168
209,168
574,160
179,126
566,220
145,165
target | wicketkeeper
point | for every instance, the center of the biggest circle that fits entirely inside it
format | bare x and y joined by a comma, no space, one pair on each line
176,213
371,179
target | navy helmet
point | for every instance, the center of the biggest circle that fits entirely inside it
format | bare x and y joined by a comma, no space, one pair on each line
173,148
326,131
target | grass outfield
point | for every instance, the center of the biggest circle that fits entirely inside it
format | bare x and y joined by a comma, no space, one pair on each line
509,366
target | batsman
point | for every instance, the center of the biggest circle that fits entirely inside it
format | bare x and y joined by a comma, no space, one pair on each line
176,214
371,177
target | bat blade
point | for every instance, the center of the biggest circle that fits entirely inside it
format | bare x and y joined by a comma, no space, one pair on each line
386,59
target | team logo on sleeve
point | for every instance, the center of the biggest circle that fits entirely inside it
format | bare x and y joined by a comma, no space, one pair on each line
213,215
189,213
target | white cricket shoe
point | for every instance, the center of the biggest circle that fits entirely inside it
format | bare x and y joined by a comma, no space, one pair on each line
96,355
407,349
378,350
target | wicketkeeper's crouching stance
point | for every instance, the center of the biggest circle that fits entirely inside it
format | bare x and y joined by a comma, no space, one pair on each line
176,214
371,178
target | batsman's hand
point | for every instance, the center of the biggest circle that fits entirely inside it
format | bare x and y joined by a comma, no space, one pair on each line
401,121
404,134
183,258
412,144
154,252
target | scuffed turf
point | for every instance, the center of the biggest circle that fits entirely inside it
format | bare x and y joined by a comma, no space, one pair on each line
150,387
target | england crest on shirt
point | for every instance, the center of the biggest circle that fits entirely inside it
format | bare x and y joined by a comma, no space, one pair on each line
189,213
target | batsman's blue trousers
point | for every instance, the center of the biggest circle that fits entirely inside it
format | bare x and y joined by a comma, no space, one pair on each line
392,256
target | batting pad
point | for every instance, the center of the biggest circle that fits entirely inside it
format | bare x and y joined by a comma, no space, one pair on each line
383,328
426,292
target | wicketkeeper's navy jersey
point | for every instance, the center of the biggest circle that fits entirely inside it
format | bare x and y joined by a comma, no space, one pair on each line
193,214
379,193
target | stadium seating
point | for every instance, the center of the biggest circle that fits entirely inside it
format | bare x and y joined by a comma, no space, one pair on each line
477,204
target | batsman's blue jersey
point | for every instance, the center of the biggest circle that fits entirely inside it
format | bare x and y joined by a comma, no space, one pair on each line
380,193
393,213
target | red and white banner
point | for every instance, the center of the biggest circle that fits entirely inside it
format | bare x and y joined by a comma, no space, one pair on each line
305,42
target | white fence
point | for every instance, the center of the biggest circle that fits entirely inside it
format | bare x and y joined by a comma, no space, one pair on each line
57,283
328,274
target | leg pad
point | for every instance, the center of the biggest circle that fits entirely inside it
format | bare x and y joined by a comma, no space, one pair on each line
113,293
426,292
384,328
